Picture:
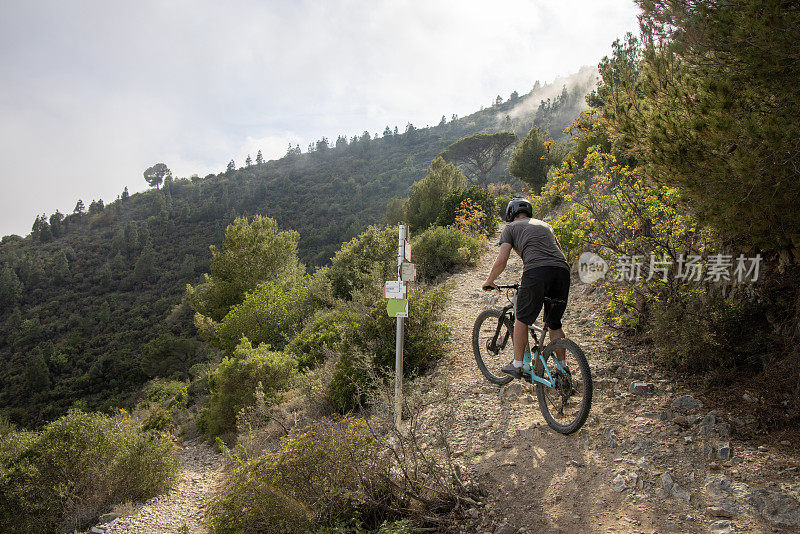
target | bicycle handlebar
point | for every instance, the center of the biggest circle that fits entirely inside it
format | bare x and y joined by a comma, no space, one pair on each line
501,286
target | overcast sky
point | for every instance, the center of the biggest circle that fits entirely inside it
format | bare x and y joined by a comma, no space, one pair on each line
94,92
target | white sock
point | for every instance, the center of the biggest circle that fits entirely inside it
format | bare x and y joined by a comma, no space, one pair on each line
517,364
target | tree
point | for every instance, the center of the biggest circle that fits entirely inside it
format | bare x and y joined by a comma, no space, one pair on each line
231,166
156,174
10,288
248,161
41,229
533,157
145,266
79,208
714,112
481,152
254,251
171,356
96,207
106,276
395,212
59,269
428,194
259,158
125,194
387,132
57,223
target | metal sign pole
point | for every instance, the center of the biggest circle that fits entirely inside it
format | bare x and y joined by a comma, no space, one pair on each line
398,358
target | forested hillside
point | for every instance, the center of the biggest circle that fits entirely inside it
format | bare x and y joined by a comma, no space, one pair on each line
89,302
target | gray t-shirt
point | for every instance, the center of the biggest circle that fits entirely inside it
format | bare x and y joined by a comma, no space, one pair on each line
535,243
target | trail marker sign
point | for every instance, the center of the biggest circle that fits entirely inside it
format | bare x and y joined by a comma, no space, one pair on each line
397,307
395,289
408,272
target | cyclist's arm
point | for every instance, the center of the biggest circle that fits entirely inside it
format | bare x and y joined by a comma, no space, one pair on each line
499,265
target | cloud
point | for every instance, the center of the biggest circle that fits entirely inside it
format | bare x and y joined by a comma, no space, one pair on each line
95,92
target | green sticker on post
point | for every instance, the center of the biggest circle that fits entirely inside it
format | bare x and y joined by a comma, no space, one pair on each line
397,307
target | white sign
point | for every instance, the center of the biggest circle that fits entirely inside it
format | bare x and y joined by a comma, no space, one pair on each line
407,251
395,289
408,272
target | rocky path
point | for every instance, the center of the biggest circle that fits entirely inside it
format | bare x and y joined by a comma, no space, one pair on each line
655,463
183,508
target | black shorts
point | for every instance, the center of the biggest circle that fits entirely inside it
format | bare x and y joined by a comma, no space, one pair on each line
538,283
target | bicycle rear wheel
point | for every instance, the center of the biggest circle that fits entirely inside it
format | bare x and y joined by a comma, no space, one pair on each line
493,353
566,406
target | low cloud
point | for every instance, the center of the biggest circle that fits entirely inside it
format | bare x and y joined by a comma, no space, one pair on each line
95,92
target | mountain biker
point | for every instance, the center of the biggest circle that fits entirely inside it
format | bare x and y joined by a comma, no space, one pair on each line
545,274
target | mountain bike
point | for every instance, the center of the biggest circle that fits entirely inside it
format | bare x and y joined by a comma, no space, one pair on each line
564,390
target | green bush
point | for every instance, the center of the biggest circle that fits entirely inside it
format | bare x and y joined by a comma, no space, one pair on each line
62,477
270,314
366,350
481,197
440,249
369,255
716,343
427,195
162,400
570,235
318,334
328,475
233,384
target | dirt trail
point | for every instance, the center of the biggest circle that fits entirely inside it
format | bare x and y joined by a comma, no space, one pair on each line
638,465
184,505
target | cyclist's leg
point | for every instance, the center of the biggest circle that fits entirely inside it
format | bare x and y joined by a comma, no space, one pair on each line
528,304
530,299
557,288
520,339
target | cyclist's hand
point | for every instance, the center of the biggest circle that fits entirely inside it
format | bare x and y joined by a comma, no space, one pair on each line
489,286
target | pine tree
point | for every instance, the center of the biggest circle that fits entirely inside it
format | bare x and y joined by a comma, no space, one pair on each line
60,268
145,266
79,208
125,194
248,162
10,288
259,158
231,166
57,224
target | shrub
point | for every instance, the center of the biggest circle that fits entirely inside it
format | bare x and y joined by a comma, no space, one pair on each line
233,384
270,314
716,342
162,400
326,475
353,266
344,475
318,334
571,236
62,477
440,249
479,196
427,195
366,350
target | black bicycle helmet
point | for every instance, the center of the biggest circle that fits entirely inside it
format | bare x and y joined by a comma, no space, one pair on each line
516,206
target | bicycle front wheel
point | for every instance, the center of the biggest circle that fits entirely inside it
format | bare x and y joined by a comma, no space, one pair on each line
493,345
566,406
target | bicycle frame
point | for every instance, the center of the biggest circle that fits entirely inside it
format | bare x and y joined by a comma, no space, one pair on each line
538,345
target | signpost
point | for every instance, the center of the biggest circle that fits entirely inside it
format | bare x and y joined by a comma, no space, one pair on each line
396,291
